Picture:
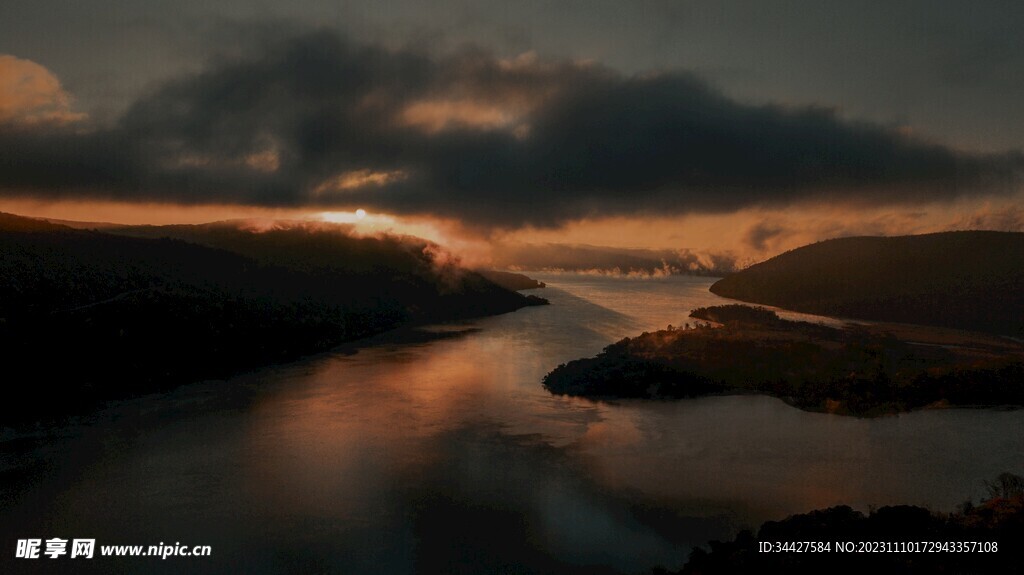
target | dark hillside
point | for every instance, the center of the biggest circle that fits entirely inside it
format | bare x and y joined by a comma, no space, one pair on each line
93,315
967,280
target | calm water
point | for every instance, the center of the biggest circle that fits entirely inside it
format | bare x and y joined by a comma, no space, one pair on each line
449,456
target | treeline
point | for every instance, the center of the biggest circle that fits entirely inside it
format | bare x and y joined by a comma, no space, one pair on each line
93,315
736,313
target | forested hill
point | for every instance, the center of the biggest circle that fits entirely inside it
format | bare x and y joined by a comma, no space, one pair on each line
94,314
970,280
412,271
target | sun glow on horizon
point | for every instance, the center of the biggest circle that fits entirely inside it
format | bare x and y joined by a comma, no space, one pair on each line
358,216
366,222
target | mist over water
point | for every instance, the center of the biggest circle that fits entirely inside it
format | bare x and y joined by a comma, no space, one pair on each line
449,456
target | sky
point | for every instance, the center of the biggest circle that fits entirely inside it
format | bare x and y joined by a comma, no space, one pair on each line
730,126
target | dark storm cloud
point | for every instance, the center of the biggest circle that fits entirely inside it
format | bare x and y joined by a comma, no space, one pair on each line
316,120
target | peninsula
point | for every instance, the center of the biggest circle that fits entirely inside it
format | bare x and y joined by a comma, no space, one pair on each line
859,370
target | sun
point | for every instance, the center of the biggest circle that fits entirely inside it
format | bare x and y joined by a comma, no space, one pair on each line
347,217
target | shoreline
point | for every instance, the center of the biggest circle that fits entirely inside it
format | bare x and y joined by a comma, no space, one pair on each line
859,370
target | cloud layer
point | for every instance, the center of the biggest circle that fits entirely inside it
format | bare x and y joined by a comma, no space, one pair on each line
31,95
316,120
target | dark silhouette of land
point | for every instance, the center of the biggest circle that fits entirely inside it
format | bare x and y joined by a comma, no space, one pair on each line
92,315
856,370
511,281
968,280
953,543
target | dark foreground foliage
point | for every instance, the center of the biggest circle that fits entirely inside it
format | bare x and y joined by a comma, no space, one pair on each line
956,543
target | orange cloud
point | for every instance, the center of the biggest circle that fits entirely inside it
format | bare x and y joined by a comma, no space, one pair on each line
360,179
133,213
520,86
438,115
30,94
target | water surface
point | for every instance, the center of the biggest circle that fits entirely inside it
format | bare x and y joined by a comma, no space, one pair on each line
449,456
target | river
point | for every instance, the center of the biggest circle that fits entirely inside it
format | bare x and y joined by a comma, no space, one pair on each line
447,456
